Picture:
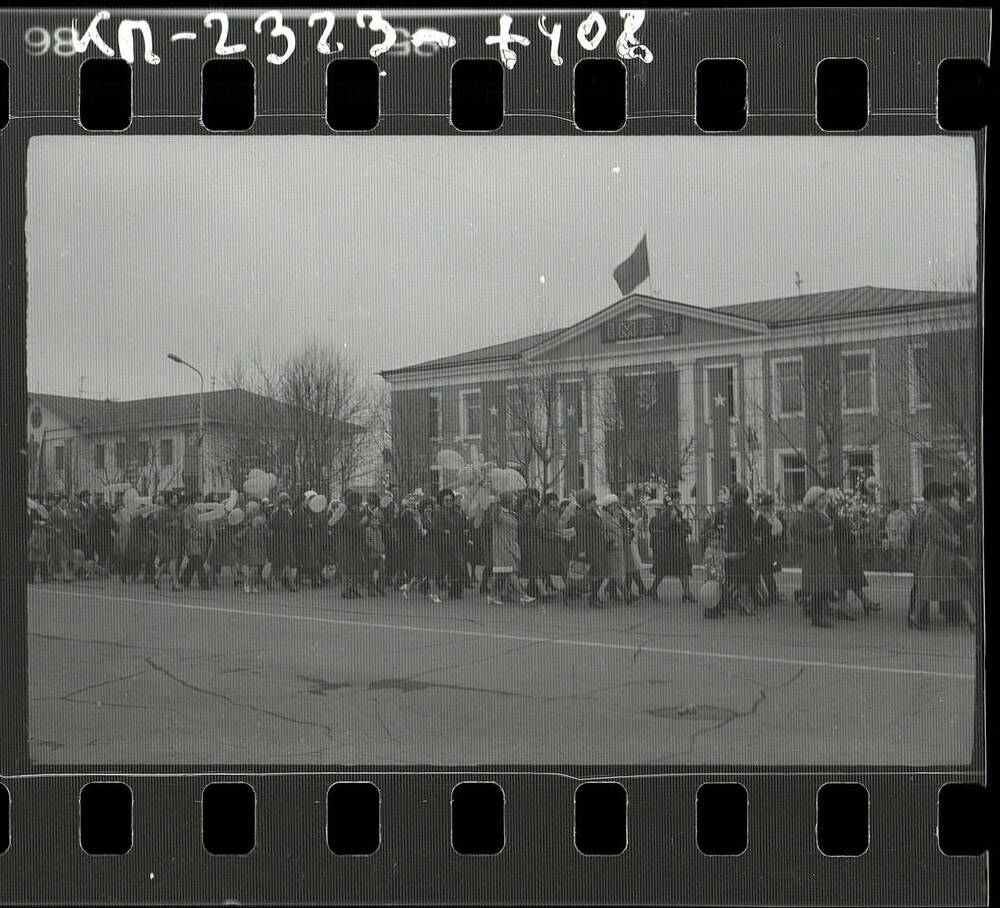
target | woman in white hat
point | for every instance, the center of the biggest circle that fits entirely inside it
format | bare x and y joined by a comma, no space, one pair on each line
820,574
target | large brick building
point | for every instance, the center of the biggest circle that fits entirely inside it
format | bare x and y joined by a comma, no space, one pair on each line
779,393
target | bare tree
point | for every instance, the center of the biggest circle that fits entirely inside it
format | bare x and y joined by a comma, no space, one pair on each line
536,426
308,421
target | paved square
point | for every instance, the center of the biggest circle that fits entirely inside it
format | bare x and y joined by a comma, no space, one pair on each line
127,675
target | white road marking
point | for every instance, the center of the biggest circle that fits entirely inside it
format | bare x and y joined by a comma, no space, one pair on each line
554,641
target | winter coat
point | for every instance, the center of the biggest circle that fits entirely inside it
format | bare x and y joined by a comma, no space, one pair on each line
252,542
740,542
506,550
615,567
669,532
448,531
551,550
168,527
820,571
852,577
938,574
590,541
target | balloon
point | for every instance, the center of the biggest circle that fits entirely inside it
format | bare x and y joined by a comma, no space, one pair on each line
77,557
776,527
474,455
871,484
338,512
466,476
317,504
257,484
265,571
230,502
253,508
489,465
709,594
273,479
450,460
506,481
32,504
235,517
386,500
211,510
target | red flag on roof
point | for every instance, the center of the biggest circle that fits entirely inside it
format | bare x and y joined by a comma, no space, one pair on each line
634,270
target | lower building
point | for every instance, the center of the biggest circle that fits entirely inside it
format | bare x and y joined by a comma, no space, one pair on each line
779,394
163,443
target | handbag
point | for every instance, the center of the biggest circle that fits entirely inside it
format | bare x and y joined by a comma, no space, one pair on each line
578,570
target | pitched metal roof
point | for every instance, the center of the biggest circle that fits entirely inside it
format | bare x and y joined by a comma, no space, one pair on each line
836,304
783,312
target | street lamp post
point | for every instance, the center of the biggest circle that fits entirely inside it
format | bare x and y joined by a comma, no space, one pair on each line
201,409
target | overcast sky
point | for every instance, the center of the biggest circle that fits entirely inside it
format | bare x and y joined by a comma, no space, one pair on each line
404,249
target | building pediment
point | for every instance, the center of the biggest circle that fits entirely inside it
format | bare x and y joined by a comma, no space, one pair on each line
645,323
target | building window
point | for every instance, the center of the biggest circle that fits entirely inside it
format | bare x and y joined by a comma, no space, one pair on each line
720,390
859,465
60,457
99,456
572,410
516,415
141,454
434,418
120,454
789,396
470,410
857,382
792,468
920,377
733,476
434,486
166,452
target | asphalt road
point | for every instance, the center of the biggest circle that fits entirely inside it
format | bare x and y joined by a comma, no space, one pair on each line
127,675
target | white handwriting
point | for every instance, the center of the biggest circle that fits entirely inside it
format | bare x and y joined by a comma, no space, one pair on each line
553,37
126,42
323,45
507,56
280,30
377,24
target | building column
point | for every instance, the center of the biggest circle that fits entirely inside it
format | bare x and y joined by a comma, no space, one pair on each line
599,385
687,430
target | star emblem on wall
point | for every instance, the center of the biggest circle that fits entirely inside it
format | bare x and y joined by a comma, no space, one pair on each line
494,411
720,400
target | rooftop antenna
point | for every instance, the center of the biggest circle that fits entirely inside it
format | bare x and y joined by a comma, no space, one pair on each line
798,283
83,378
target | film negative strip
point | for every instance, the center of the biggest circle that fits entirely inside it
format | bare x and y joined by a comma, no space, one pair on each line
493,456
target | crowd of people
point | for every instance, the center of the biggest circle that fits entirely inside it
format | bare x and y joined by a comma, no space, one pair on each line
526,546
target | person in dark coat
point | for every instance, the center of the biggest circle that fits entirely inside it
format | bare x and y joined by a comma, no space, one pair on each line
449,534
741,572
820,572
424,566
962,512
852,576
285,543
940,575
767,533
528,540
550,551
354,561
669,533
169,542
590,543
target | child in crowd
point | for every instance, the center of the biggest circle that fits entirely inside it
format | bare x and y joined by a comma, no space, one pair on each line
714,563
253,544
375,553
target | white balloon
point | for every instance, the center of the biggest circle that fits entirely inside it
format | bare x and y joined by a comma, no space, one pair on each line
450,460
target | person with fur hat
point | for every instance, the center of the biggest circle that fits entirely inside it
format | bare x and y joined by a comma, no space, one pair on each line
820,573
353,557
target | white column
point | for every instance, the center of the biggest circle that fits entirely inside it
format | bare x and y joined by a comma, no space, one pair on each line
687,430
599,385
